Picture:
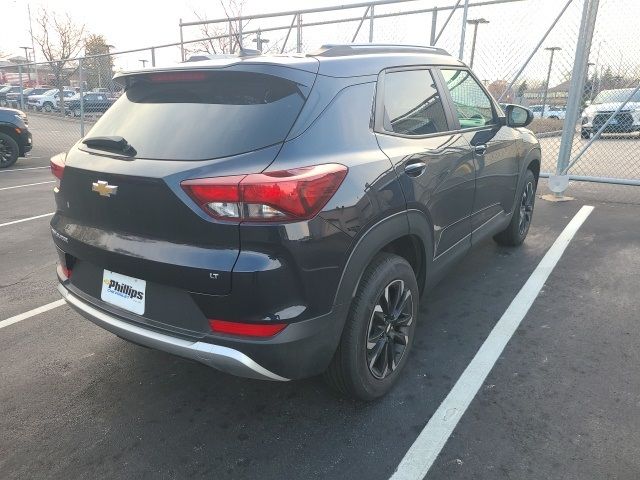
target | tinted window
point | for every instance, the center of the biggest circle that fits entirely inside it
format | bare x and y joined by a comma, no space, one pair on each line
220,114
412,105
472,105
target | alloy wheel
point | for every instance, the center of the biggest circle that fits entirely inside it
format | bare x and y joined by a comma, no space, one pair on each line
5,152
526,208
388,331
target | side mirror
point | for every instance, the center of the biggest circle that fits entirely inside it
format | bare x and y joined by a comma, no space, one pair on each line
518,116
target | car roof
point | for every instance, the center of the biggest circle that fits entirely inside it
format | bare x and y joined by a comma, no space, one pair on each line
348,60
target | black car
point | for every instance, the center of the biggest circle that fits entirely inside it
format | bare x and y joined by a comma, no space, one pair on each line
280,217
5,91
92,102
15,137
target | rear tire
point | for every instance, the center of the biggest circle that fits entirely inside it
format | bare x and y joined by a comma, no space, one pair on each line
378,333
518,228
47,107
9,151
585,134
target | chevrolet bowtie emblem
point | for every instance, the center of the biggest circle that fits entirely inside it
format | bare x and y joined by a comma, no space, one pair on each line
104,189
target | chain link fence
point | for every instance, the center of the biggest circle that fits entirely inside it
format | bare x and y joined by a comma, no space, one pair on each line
524,51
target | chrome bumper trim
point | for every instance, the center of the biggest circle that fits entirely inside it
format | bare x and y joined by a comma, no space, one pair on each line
216,356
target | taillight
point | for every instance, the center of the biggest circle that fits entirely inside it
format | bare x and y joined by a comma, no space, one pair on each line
263,330
57,165
280,196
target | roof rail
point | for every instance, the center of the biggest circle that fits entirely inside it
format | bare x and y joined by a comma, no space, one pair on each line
338,50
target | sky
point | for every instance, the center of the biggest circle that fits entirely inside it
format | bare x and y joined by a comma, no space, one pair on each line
502,45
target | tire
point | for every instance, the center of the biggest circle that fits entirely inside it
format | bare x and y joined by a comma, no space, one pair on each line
77,112
9,151
47,107
355,370
585,134
518,228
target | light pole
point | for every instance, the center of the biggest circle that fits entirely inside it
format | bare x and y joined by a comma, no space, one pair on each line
475,22
26,56
259,40
546,86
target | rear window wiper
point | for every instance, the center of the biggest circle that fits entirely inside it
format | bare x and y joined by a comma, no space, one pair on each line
112,144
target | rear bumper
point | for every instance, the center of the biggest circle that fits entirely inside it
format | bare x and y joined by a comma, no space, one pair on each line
222,358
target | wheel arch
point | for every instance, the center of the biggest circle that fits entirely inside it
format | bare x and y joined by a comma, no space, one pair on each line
405,233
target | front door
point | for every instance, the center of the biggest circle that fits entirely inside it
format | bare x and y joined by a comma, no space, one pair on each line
495,149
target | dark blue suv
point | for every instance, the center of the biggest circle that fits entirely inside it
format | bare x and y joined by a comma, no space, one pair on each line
279,217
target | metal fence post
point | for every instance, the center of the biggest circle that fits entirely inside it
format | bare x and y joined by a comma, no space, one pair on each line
299,34
81,99
464,28
181,43
371,16
21,87
153,56
583,46
434,24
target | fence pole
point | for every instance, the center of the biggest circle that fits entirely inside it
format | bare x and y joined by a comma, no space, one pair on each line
181,43
21,88
434,24
284,44
153,56
299,34
585,35
371,17
537,47
463,31
355,35
81,99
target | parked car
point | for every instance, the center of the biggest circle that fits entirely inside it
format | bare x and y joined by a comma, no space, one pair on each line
5,91
550,111
15,137
33,92
604,105
278,238
48,101
91,103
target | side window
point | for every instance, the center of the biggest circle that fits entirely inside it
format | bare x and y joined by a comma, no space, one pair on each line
472,105
412,105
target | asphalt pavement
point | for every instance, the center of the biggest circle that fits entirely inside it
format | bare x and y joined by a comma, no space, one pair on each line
562,401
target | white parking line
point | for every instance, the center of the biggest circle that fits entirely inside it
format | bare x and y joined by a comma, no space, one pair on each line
26,219
424,451
21,169
27,185
31,313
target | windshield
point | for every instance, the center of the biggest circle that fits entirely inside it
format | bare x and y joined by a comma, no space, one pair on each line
616,96
5,89
211,115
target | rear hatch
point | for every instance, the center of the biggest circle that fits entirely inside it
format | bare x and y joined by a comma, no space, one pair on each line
123,209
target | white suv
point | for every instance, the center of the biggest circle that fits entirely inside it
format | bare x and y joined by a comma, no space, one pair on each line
48,101
605,104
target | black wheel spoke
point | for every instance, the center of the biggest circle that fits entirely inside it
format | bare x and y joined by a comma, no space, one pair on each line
388,333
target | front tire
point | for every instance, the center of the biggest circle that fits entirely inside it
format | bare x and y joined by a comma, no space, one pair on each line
9,151
379,330
518,228
47,107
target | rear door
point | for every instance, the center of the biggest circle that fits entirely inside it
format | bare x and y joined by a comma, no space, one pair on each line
495,147
433,163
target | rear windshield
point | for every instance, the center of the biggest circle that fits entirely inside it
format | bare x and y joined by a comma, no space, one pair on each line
207,115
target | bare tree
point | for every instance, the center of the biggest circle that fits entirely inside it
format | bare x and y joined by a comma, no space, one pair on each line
217,38
60,39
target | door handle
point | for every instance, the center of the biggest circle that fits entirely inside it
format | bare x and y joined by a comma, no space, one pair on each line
415,169
480,149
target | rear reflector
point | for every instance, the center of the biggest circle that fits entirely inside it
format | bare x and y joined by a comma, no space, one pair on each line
64,272
263,330
280,196
57,165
